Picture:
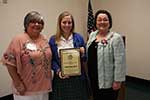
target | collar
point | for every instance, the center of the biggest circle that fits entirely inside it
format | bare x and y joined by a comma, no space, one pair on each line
70,38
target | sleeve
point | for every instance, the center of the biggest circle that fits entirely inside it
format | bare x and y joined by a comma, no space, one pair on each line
55,63
11,57
119,59
84,56
82,44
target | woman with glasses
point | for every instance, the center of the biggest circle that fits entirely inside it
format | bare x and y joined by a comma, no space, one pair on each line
28,60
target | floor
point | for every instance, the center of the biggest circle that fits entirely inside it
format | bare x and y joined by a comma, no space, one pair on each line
137,89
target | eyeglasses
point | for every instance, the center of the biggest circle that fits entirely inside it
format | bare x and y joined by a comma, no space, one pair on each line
35,21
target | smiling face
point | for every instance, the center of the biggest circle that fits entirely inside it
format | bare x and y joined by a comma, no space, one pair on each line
34,28
102,22
66,24
33,24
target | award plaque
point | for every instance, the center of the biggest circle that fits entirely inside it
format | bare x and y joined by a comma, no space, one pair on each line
70,61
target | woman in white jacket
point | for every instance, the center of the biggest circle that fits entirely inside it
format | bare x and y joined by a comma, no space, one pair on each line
106,58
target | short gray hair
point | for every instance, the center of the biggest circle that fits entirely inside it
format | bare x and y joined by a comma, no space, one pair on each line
32,16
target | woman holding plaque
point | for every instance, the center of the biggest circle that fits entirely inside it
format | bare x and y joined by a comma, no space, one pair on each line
68,86
106,58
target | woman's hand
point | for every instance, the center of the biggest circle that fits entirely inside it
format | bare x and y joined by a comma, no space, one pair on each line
116,85
20,88
62,76
82,50
18,83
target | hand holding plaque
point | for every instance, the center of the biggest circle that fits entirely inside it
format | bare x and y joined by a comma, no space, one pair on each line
70,61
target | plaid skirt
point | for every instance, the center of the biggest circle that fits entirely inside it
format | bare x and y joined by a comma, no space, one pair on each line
73,88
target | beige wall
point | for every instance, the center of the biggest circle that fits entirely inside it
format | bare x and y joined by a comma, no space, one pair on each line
132,18
11,23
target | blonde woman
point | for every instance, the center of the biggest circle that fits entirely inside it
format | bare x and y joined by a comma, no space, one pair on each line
67,87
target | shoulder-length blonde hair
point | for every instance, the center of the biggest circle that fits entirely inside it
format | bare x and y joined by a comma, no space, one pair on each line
59,30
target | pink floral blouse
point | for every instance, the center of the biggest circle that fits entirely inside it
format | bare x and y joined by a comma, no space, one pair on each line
33,62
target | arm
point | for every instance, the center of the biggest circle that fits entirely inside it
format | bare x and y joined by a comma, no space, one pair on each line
16,79
11,59
56,65
83,54
119,62
55,58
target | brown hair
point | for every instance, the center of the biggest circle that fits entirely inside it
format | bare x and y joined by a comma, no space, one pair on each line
103,12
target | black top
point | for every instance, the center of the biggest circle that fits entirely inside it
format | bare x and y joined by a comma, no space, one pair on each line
92,65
